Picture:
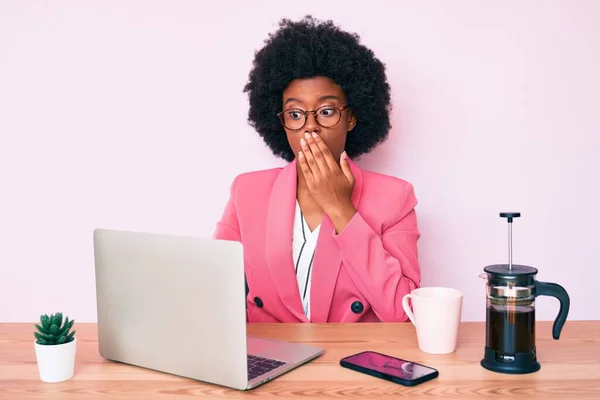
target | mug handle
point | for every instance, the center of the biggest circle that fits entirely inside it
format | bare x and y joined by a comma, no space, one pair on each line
407,309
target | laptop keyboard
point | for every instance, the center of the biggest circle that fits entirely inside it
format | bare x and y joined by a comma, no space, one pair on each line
258,366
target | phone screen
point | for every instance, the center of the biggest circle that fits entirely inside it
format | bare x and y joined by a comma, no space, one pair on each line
389,365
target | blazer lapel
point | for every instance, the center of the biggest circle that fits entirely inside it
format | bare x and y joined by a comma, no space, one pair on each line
280,224
327,261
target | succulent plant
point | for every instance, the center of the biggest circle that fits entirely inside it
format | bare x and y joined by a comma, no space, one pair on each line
53,331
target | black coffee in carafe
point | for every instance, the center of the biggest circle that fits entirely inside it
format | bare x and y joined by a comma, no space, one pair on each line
512,331
510,317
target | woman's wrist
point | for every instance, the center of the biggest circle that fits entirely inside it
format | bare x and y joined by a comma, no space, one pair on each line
340,216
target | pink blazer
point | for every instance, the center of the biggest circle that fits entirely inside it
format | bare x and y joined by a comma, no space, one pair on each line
360,274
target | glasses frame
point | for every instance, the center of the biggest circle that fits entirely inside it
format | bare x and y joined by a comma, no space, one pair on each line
314,113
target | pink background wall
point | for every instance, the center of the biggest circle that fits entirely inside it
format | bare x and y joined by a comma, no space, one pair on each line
130,115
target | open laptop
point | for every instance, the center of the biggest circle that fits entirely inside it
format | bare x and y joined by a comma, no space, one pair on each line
177,304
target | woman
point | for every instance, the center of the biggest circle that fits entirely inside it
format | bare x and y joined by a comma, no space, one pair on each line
324,241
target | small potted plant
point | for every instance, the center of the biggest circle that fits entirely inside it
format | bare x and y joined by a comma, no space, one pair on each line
55,346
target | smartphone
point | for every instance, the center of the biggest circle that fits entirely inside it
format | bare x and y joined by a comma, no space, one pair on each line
390,368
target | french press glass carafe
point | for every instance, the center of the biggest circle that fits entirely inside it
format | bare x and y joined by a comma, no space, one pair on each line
510,319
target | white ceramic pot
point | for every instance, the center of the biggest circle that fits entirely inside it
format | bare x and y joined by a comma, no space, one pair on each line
56,362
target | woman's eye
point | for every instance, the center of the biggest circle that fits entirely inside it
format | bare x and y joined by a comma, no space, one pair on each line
327,112
295,114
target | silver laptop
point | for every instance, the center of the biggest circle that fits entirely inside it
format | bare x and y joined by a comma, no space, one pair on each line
177,304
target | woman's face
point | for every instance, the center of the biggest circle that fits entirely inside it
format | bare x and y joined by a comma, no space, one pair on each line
322,94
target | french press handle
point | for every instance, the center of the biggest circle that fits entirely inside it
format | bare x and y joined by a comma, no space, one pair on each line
555,290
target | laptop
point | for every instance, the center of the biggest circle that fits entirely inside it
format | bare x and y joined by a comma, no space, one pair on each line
177,304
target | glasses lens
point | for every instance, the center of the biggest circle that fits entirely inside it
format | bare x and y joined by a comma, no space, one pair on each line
328,116
293,119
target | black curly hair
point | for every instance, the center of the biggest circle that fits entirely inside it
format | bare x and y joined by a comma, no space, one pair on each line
309,48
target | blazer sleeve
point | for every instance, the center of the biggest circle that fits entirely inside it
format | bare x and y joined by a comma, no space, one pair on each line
228,227
384,267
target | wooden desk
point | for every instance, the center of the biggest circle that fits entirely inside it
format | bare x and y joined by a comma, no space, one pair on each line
570,367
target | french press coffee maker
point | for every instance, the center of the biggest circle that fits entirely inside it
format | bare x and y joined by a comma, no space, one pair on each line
510,319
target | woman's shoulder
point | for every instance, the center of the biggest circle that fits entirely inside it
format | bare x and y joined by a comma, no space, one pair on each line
254,180
381,192
387,182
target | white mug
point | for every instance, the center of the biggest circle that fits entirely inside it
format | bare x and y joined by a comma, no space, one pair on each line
436,313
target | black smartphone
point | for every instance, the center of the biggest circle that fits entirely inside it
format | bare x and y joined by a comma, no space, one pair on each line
390,368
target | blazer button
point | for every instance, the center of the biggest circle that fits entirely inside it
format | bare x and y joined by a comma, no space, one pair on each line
258,302
357,307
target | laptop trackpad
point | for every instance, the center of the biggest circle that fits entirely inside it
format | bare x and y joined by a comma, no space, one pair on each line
281,351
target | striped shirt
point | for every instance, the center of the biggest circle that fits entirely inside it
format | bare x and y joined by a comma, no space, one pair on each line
304,243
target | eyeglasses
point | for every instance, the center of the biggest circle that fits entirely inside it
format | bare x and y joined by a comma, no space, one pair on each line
294,119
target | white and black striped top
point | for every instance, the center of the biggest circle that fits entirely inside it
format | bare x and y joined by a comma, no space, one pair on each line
304,243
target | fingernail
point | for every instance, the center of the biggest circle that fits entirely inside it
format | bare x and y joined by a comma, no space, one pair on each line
315,134
302,142
307,135
300,154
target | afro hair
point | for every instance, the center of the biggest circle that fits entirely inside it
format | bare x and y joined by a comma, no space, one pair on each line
309,48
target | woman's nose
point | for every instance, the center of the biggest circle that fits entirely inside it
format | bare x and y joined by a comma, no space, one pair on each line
311,124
